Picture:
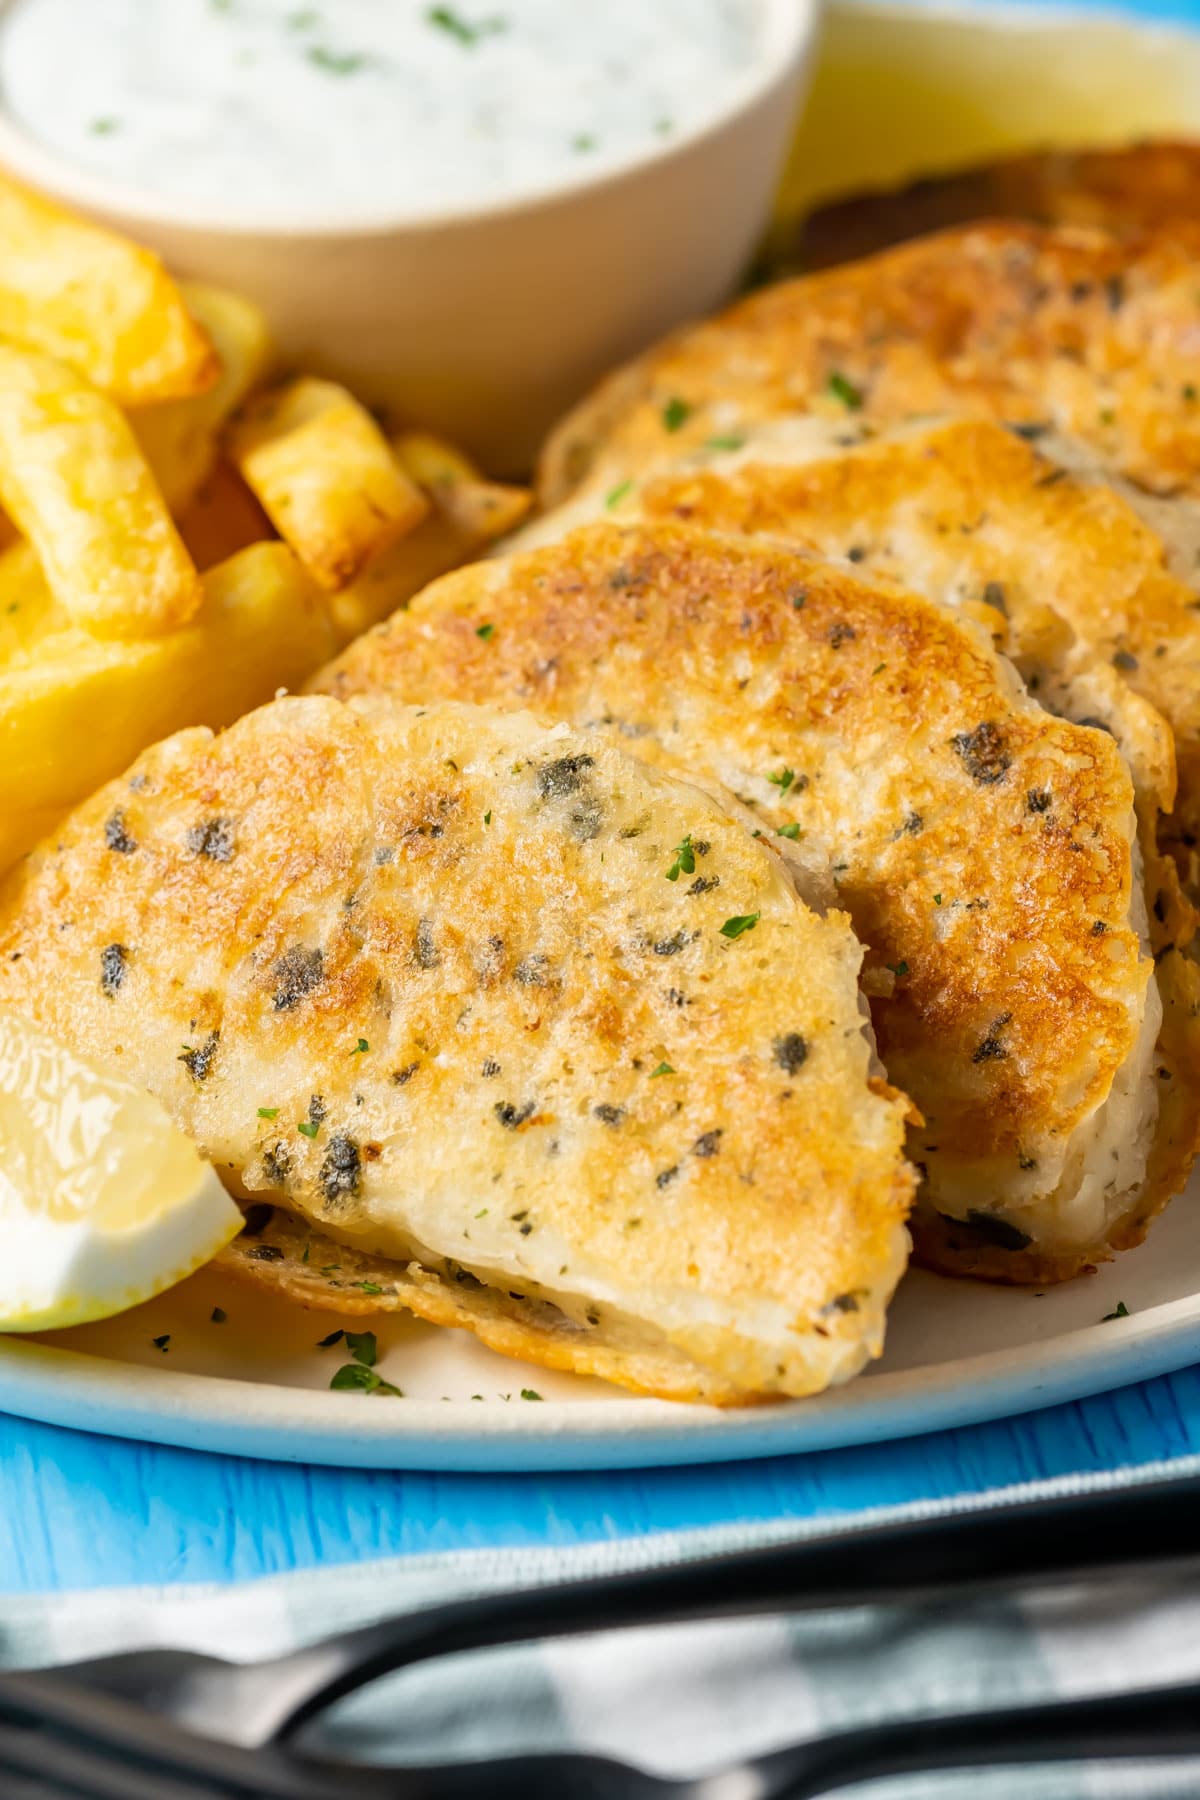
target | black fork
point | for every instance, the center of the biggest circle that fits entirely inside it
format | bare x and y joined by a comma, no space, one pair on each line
263,1704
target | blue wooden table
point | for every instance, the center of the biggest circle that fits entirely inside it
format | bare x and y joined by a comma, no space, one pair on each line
80,1511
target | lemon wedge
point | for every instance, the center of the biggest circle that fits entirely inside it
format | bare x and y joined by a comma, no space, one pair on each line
103,1201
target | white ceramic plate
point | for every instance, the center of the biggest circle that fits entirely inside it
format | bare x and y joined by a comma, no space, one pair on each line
257,1385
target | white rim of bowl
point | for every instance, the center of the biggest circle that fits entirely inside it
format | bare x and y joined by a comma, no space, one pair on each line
789,30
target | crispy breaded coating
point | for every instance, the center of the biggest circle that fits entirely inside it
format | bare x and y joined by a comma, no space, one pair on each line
1091,335
514,1030
983,848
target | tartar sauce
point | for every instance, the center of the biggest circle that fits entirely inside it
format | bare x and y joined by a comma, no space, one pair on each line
360,107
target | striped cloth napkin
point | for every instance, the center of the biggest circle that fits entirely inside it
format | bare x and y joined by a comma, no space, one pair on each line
684,1699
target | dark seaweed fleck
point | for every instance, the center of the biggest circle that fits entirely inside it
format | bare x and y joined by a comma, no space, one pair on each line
490,1069
115,835
511,1116
1037,800
1099,927
993,595
912,826
666,1176
609,1115
708,1143
214,838
1114,292
704,884
673,945
839,633
587,818
425,951
266,1253
1029,432
341,1171
384,853
565,776
277,1164
533,971
114,960
983,753
401,1077
1124,659
199,1062
790,1052
297,972
842,1303
990,1047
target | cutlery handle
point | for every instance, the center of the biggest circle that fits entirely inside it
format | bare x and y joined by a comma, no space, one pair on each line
1156,1722
910,1560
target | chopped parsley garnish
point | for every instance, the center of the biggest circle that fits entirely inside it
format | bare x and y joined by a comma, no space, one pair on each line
218,1315
899,970
530,1394
487,817
327,1343
162,1343
268,1112
789,831
664,1068
484,632
363,1347
447,19
844,390
741,922
783,780
615,495
308,1128
675,413
583,141
369,1287
732,440
878,669
104,127
1122,1312
361,1048
357,1377
937,899
335,62
685,860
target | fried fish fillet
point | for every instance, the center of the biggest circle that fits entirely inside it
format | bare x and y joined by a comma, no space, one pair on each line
983,848
1094,336
1133,187
512,1030
1067,576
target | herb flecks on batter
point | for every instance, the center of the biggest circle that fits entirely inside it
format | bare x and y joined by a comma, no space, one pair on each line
984,753
114,960
297,973
199,1061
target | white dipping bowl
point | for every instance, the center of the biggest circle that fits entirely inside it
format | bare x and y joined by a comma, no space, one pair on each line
487,323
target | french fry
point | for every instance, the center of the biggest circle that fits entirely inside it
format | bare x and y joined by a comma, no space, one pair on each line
77,710
480,508
180,437
468,514
75,483
28,610
224,518
326,476
97,302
